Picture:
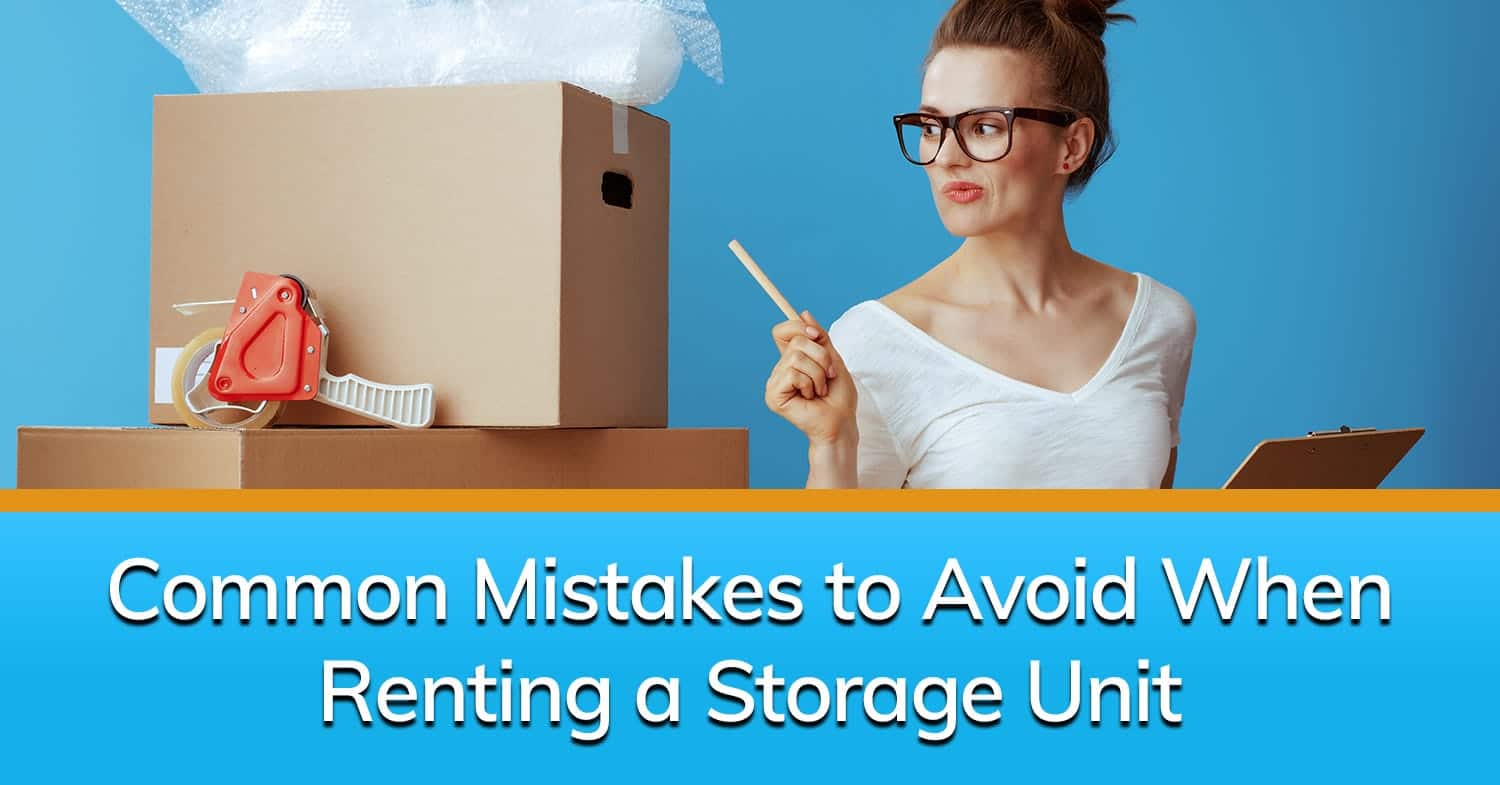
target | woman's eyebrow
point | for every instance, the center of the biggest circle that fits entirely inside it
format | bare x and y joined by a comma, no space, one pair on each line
929,109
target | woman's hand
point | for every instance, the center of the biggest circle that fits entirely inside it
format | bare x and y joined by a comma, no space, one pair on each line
810,386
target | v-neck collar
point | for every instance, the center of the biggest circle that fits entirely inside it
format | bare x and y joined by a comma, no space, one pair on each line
1116,354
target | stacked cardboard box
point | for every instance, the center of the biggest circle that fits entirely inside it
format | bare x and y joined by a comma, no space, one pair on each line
507,244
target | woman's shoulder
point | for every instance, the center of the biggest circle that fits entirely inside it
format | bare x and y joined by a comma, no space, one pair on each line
900,311
865,323
1169,310
874,335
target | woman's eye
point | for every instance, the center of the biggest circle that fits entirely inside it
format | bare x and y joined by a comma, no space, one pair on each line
988,129
931,130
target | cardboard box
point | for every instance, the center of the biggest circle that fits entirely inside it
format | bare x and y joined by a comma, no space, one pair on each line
382,458
507,244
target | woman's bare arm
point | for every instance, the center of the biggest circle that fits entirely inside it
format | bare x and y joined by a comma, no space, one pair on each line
834,464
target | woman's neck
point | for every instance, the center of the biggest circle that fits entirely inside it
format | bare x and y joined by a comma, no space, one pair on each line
1027,266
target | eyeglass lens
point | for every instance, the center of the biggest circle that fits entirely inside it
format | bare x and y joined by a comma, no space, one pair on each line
984,136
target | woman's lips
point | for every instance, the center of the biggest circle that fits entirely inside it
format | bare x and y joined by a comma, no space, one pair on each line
962,192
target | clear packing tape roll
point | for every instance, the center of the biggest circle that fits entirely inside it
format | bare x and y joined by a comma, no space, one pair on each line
630,51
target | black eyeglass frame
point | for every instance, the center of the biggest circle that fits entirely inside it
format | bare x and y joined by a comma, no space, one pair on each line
950,123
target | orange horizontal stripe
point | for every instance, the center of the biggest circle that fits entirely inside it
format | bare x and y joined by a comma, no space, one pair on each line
746,501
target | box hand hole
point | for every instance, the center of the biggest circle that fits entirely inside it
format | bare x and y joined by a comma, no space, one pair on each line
617,189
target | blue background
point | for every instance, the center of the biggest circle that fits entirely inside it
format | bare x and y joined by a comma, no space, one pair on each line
1312,176
90,698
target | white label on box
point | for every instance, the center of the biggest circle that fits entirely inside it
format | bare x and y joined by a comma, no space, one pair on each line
622,129
166,362
166,357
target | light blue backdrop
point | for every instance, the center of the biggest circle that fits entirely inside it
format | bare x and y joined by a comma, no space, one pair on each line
1312,176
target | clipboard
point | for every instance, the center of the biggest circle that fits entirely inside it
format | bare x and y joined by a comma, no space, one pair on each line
1346,458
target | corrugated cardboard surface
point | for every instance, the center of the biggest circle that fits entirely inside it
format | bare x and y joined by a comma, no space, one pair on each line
454,235
382,458
126,458
609,309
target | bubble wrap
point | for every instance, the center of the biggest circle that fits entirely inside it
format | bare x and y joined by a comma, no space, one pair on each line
628,50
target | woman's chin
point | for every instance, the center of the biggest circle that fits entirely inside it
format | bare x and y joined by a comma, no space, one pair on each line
971,225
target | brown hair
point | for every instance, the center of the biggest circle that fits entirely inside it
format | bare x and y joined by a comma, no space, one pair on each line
1065,37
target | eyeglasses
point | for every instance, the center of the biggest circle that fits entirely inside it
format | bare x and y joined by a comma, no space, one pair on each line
983,134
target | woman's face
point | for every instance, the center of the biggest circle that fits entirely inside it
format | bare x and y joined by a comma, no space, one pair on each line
974,198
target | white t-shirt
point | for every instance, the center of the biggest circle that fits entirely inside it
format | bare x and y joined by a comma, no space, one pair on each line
930,417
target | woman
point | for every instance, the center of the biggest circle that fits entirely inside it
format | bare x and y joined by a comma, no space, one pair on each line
1016,361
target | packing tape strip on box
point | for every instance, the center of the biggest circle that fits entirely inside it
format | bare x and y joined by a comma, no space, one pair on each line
621,128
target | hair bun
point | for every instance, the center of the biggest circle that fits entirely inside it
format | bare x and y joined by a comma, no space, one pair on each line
1088,16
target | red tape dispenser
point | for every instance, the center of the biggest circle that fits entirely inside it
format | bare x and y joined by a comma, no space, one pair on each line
275,349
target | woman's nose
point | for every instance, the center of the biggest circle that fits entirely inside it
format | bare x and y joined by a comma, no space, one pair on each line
951,154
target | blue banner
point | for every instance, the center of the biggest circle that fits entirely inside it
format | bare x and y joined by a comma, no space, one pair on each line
742,647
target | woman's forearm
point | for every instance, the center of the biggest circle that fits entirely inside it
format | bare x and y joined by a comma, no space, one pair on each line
835,463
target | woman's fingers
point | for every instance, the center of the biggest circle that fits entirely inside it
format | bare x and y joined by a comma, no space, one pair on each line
808,361
817,352
788,382
809,367
784,332
804,384
808,339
